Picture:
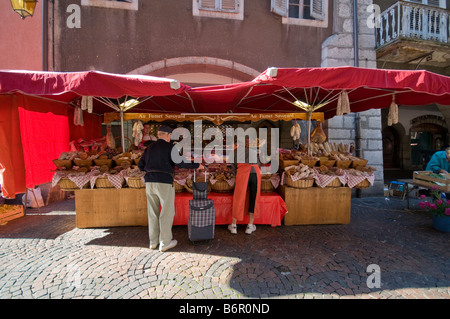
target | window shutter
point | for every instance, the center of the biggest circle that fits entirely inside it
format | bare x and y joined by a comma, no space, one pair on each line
229,5
436,3
279,7
208,4
317,9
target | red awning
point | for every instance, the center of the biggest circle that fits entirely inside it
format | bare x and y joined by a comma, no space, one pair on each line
366,88
269,92
69,86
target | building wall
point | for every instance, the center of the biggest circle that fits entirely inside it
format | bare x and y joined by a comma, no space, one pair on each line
364,128
20,40
117,40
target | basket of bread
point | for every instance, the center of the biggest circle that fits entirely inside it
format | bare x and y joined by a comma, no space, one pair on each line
360,177
299,176
330,176
65,160
123,159
83,159
268,181
222,180
134,177
180,178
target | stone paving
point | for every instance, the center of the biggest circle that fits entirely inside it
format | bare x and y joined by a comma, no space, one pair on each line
44,256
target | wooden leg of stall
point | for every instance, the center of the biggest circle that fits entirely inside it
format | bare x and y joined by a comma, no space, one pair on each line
110,207
315,205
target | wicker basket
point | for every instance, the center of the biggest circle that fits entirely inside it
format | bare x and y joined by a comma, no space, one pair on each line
82,163
335,183
222,187
301,183
266,185
178,187
120,161
359,163
310,163
101,162
362,185
328,162
63,163
287,163
135,182
103,182
67,185
343,164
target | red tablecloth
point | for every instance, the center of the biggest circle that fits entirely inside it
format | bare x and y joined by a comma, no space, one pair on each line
273,209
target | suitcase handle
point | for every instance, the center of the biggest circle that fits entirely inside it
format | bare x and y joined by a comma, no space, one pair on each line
201,208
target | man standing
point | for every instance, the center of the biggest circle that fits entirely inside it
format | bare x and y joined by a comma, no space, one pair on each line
158,164
440,162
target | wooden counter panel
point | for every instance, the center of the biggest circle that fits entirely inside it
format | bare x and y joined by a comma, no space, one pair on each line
111,207
315,205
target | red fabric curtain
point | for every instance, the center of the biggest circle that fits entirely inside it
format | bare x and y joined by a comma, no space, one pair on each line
30,140
45,135
92,128
12,169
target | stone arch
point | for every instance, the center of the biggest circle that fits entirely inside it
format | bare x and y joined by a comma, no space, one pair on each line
199,70
429,133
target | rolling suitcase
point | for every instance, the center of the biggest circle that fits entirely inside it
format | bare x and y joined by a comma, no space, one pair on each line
202,215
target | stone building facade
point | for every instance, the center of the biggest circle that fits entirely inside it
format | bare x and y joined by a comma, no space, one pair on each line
204,42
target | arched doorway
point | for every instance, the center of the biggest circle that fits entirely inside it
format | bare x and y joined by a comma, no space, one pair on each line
199,71
429,134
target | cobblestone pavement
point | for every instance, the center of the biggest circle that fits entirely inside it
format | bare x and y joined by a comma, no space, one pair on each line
43,255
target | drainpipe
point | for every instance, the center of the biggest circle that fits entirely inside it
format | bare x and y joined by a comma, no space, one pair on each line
44,36
356,55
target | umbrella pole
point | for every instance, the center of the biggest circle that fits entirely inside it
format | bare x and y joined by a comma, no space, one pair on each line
309,132
121,131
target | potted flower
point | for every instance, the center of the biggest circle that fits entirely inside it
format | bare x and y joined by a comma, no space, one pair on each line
439,208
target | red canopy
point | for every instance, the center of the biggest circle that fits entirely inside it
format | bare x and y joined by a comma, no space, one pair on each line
275,90
68,86
366,88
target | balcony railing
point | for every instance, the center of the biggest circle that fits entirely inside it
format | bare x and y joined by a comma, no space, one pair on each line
412,21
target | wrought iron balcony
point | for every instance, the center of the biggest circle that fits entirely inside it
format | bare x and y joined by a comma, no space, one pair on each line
408,32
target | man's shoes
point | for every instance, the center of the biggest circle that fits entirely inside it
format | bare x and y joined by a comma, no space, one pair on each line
153,247
172,244
232,228
250,229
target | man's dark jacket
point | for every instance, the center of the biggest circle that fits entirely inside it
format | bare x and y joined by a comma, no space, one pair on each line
158,163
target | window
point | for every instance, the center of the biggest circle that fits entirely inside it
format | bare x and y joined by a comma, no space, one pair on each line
226,9
219,5
113,4
434,3
302,12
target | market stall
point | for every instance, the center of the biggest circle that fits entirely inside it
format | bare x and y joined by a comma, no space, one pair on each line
306,174
279,94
